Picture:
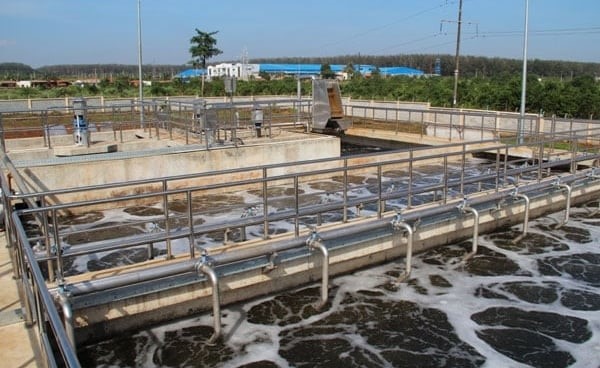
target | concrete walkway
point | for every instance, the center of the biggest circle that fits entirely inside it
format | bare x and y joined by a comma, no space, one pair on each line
18,347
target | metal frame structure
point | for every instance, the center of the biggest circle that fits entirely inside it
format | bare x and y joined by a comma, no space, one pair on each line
506,182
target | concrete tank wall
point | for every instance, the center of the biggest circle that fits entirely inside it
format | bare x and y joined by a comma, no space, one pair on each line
81,171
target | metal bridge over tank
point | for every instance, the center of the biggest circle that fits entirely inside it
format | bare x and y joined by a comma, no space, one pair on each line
98,258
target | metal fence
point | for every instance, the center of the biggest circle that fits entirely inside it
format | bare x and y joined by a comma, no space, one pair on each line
39,252
162,118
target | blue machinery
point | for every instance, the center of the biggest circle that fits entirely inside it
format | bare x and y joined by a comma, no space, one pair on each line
81,133
408,228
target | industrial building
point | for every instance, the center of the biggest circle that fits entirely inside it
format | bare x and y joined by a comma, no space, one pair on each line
246,71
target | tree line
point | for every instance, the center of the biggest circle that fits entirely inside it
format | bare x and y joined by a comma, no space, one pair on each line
18,71
577,97
470,66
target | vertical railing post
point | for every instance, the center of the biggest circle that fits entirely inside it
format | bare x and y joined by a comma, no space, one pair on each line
380,201
57,248
345,214
190,223
540,160
166,214
505,165
462,169
46,230
296,207
445,181
410,177
265,204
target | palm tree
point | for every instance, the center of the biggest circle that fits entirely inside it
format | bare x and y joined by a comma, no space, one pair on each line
203,48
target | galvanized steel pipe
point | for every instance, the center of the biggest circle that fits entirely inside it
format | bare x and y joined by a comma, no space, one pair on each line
568,205
398,224
204,268
465,208
288,244
65,304
314,241
526,219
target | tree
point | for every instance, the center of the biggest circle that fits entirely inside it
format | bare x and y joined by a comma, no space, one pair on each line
203,48
326,72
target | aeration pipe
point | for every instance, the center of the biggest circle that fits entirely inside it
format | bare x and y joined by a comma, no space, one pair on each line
314,241
398,224
568,204
463,208
203,267
90,286
516,194
63,298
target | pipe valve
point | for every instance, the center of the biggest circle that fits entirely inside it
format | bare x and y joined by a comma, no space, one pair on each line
557,182
205,259
463,205
399,223
313,239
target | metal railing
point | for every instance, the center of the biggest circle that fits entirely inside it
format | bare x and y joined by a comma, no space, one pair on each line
454,123
163,119
40,251
267,184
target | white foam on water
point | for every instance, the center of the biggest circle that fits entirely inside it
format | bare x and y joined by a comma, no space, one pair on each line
457,302
256,342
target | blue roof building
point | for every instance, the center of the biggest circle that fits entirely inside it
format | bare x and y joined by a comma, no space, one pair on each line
306,70
315,69
400,70
191,73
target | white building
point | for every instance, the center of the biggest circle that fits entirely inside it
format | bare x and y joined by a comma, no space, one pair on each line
238,70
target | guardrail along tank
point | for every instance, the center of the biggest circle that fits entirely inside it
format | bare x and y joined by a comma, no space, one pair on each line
328,113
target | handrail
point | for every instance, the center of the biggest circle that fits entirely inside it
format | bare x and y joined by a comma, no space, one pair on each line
65,336
315,242
45,300
248,221
224,258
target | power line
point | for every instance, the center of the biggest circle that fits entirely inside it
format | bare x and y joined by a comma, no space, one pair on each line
494,34
374,29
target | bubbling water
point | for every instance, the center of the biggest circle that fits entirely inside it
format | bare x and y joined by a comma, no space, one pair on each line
530,303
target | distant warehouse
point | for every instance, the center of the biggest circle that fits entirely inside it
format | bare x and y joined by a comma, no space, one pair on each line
246,71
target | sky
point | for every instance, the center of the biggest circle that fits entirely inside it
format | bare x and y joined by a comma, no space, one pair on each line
50,32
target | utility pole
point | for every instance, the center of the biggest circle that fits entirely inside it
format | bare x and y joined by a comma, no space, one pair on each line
456,59
520,127
140,81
